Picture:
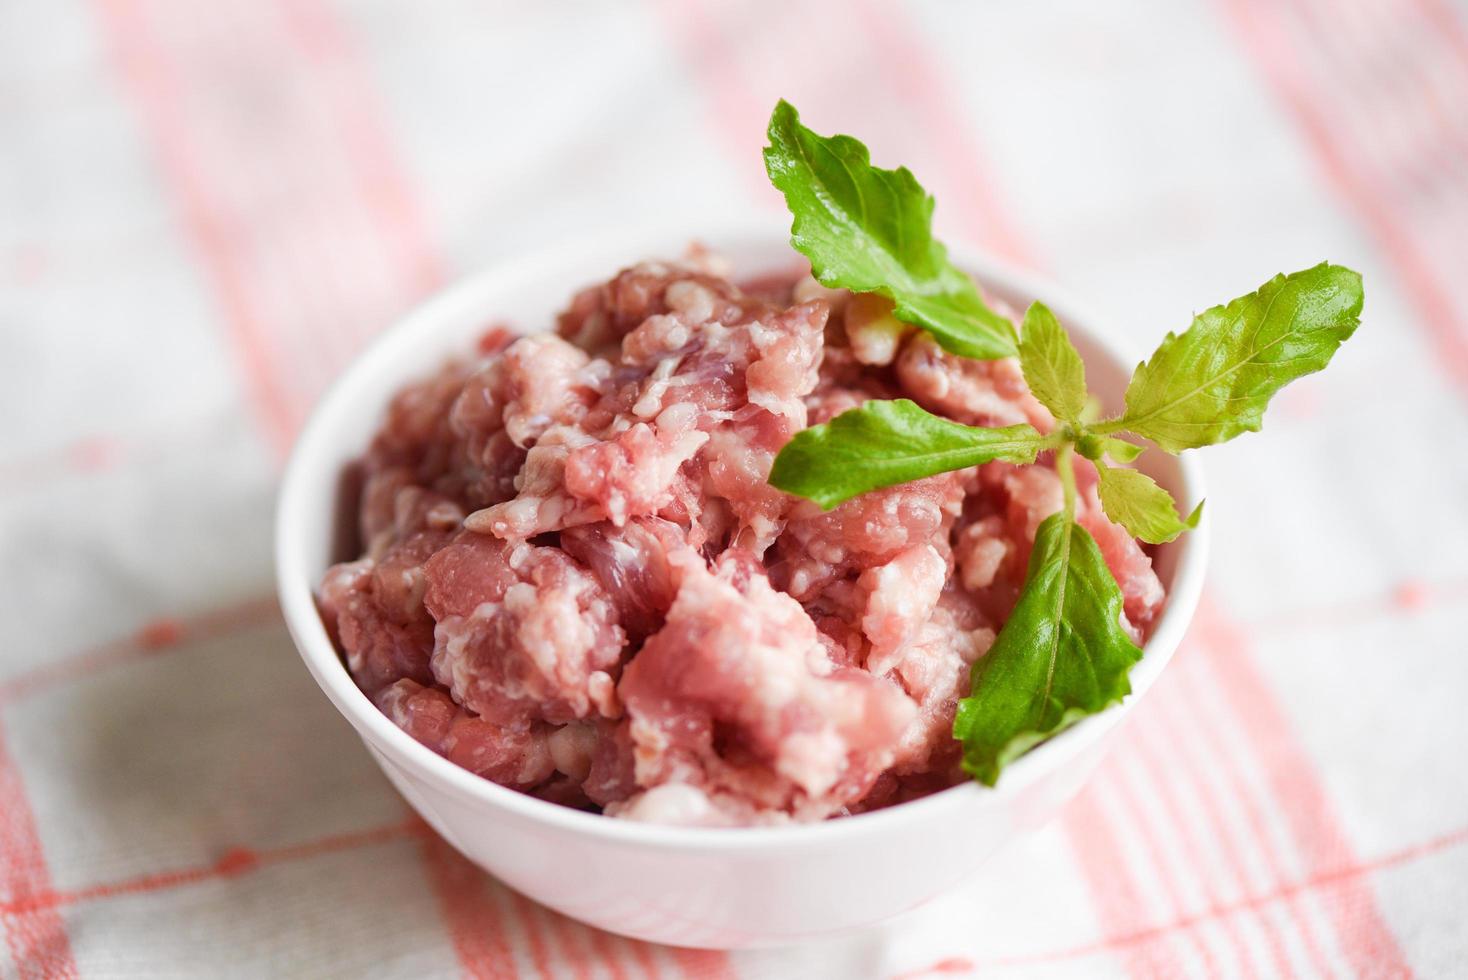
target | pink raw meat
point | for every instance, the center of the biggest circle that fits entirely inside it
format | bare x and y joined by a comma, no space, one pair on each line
575,580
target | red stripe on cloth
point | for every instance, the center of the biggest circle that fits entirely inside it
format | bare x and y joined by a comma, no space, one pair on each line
1411,597
86,455
1447,21
149,640
146,73
702,964
950,965
1306,807
1112,884
1423,139
738,114
1157,754
699,964
36,937
908,60
1168,776
610,952
643,954
300,215
1152,836
470,913
1328,879
1345,164
530,916
381,178
1188,724
895,94
568,944
232,863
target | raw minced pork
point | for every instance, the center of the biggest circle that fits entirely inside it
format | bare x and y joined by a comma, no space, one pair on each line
575,581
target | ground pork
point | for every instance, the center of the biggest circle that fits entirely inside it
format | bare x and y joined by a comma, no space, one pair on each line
572,577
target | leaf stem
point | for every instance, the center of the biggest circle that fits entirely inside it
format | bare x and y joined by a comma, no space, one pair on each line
1065,469
1060,437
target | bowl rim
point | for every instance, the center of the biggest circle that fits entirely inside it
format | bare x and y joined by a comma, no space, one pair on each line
296,587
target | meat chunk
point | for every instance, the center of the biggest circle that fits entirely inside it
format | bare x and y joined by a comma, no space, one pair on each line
934,671
599,317
374,608
900,598
394,507
519,757
820,547
989,393
982,551
735,695
417,432
704,369
523,633
539,381
632,563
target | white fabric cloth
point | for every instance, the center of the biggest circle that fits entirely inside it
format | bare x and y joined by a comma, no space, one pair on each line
208,208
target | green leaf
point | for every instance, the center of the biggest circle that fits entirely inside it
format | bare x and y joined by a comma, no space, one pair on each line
1095,447
884,443
1135,501
1214,380
870,230
1052,367
1061,656
1121,450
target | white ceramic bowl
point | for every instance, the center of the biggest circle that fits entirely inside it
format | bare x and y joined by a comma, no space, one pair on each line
685,886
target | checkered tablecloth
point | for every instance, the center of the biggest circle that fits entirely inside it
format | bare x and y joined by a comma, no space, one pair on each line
206,208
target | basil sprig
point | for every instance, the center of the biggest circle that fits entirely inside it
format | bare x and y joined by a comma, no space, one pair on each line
1062,654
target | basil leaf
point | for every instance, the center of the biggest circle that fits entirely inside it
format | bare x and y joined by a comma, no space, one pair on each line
1052,367
1121,450
1135,501
870,230
1095,447
1214,380
1061,656
884,443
